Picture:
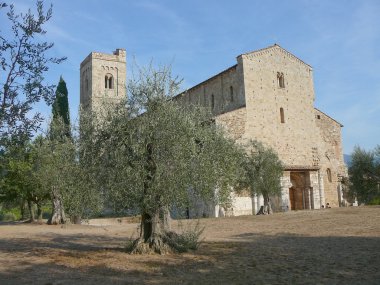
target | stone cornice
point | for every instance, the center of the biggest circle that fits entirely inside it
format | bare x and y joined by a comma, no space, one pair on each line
300,167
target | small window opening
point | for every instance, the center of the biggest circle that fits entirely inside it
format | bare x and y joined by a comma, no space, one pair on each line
282,117
86,83
328,171
212,102
231,94
108,81
280,79
318,117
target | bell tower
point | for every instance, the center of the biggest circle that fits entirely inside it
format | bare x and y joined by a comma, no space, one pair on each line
102,79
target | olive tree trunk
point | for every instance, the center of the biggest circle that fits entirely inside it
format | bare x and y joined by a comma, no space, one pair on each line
58,211
24,213
166,220
39,212
267,208
31,212
267,205
154,226
152,235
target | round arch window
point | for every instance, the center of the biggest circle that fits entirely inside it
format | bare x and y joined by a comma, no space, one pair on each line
108,81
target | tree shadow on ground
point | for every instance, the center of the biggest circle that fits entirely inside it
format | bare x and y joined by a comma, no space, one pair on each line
246,259
78,242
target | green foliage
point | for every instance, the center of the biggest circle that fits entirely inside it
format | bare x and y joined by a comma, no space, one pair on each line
60,107
18,182
24,61
61,168
364,175
8,217
374,201
262,171
10,214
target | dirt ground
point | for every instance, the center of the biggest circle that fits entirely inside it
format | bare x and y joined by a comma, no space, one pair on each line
331,246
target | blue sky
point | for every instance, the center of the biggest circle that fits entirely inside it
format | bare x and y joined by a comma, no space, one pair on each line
200,38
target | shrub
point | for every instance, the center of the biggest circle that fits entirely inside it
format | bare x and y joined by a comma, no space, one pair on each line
375,201
8,214
187,239
7,217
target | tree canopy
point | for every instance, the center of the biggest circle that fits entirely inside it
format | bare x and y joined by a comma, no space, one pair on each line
60,108
364,174
24,60
262,172
19,181
155,152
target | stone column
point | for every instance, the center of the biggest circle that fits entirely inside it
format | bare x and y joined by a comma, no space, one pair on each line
315,186
309,196
340,194
285,185
321,189
303,199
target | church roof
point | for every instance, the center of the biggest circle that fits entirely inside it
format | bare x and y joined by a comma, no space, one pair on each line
275,46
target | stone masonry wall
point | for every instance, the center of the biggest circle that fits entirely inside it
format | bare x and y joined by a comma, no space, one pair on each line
221,93
330,156
234,123
294,138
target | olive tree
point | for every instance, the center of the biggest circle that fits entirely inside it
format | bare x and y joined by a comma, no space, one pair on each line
154,152
364,175
262,173
18,181
66,172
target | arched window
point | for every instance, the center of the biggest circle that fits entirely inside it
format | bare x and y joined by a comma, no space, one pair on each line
328,172
212,102
282,116
108,81
280,79
231,94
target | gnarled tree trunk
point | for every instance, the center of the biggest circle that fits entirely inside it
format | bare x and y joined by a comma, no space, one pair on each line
39,212
31,212
267,208
152,235
58,211
154,226
267,205
24,214
166,219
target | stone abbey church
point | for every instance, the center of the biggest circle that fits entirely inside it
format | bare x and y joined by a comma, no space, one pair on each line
267,95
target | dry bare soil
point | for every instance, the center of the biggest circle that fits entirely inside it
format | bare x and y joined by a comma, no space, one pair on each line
331,246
